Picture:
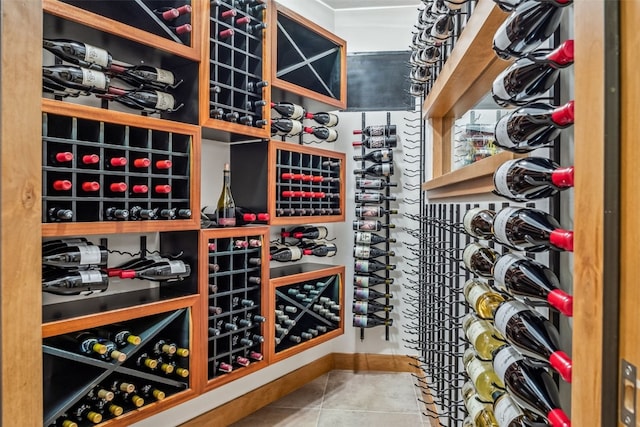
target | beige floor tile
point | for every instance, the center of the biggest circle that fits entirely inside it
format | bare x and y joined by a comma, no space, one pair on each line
280,417
371,391
308,396
341,418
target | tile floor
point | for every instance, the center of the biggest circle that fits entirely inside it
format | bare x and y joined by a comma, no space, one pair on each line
346,399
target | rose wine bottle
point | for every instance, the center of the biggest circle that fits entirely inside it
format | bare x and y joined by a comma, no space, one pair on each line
531,178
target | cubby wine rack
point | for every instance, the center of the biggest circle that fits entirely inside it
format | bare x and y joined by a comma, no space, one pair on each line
62,392
296,198
236,300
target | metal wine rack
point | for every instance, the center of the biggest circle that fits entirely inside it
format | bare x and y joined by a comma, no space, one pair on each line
85,137
63,391
235,62
234,277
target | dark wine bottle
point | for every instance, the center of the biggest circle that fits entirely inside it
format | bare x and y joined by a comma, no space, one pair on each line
78,53
146,100
370,280
321,250
116,214
119,335
478,222
533,126
369,252
378,130
67,282
55,214
71,80
532,76
370,266
149,391
86,343
532,335
531,178
368,197
257,86
160,271
373,184
289,110
509,414
139,213
370,225
76,256
369,238
287,253
531,387
532,230
285,127
442,28
369,307
376,170
530,24
307,232
370,321
368,294
324,119
479,259
145,76
383,155
373,212
322,133
84,413
226,208
525,278
379,141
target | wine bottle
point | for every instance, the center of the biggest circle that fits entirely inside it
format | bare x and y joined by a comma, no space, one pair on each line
226,208
55,214
373,184
485,380
118,386
86,343
162,347
532,335
84,412
322,133
78,53
478,223
480,413
532,126
367,294
370,280
373,212
116,214
257,86
130,399
479,259
377,130
180,29
370,321
371,266
532,230
321,250
370,225
99,393
481,298
369,252
484,338
369,197
67,282
532,76
369,238
145,76
159,271
531,178
307,232
376,170
223,367
370,307
139,213
170,13
71,80
145,100
531,387
289,110
324,119
76,256
62,185
525,278
119,335
112,352
287,253
509,414
285,127
145,360
508,5
148,391
442,28
379,141
383,155
530,24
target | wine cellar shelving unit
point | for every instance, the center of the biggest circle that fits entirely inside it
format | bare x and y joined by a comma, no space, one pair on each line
328,282
236,284
266,163
235,68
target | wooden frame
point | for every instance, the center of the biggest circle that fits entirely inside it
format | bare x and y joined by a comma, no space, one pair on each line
465,78
341,102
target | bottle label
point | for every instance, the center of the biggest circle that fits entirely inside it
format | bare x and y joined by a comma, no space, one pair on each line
367,197
376,130
95,55
385,156
360,307
297,113
477,367
333,120
506,411
332,135
360,321
385,169
90,276
501,268
475,292
501,178
363,237
475,407
506,357
505,312
499,90
361,294
501,40
468,219
165,101
322,233
362,266
361,281
502,135
368,212
89,255
177,267
377,141
500,222
296,127
296,253
367,225
362,251
374,184
475,330
468,253
94,79
165,76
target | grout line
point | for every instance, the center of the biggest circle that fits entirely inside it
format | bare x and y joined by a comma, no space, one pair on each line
324,391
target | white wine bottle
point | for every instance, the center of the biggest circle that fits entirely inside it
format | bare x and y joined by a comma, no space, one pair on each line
226,209
482,335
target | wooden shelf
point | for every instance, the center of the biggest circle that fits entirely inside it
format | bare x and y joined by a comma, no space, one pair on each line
299,272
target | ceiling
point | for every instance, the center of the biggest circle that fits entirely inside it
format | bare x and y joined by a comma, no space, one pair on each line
363,4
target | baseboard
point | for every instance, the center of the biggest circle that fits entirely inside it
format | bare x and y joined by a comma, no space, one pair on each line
250,402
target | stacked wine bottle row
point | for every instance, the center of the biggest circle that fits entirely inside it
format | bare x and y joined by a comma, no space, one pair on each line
306,310
300,241
235,62
234,305
290,123
168,19
373,183
438,26
116,368
101,171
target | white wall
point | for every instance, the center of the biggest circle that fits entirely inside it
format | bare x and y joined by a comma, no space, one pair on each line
314,10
